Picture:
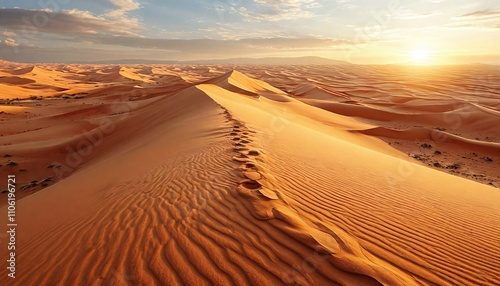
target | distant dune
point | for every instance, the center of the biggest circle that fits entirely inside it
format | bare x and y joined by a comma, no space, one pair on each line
238,61
187,174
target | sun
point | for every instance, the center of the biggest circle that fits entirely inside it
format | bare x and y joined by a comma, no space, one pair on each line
420,56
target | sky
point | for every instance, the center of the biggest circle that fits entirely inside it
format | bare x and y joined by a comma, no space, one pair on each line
358,31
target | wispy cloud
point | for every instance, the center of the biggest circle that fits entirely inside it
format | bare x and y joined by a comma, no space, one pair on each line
8,34
484,19
63,22
10,42
481,14
99,47
126,5
122,7
346,4
220,46
410,15
277,10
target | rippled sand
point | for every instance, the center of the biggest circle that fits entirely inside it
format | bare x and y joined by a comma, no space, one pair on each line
252,175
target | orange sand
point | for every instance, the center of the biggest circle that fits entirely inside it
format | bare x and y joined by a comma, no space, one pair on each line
197,175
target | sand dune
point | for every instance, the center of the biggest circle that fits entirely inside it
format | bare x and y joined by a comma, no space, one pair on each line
311,91
115,74
477,118
134,75
27,70
423,134
15,80
215,176
237,82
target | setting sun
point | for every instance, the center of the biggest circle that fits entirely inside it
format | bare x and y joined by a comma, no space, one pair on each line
420,56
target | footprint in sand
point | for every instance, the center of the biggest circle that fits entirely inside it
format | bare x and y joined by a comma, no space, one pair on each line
251,185
251,188
240,149
242,158
253,153
253,175
248,167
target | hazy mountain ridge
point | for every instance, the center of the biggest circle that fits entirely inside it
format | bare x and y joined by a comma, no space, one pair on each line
249,61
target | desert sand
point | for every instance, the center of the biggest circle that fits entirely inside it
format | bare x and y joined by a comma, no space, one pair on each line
252,175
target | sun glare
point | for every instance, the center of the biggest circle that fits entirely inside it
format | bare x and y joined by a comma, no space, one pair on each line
420,56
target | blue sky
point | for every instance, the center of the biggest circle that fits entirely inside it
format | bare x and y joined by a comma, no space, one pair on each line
360,31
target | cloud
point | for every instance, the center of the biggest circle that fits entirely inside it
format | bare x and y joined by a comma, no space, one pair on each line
10,42
293,43
126,5
481,14
484,19
410,15
277,10
29,53
122,47
62,22
209,46
346,4
8,34
122,7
